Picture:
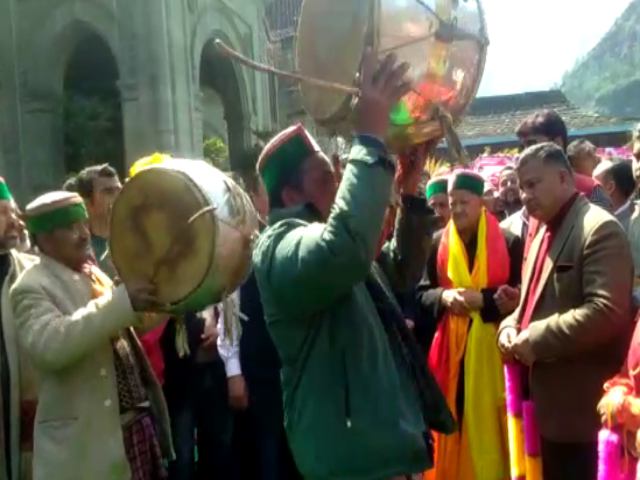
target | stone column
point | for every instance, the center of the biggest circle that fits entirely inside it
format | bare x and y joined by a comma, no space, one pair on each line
43,156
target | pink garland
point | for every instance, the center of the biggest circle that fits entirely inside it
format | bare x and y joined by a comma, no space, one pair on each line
611,451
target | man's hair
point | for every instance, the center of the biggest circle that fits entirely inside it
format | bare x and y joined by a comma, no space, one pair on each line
71,184
549,153
578,148
622,175
507,169
546,123
85,179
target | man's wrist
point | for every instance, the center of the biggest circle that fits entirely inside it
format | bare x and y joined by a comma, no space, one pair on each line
375,144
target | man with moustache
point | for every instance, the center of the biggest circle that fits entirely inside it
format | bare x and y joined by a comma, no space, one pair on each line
574,321
100,412
17,383
471,283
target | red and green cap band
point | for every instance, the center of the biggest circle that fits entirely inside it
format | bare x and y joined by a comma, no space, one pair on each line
283,155
437,186
61,217
471,182
5,193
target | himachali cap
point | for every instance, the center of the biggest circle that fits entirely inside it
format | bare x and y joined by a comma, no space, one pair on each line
55,210
284,154
437,186
5,193
469,181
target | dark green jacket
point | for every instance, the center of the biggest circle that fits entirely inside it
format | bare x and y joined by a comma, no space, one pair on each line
351,409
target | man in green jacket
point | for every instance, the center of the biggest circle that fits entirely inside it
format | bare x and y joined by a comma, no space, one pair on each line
358,401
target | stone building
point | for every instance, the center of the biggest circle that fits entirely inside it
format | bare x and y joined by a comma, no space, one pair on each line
155,58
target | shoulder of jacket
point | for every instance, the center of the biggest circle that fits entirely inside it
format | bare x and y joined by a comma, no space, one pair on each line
270,237
25,260
32,276
597,218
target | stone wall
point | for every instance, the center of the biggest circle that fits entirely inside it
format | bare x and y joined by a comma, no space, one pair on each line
161,48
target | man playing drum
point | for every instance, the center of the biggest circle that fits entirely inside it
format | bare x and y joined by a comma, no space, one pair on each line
352,404
100,413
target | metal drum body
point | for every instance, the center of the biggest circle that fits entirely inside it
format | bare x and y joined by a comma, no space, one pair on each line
444,41
188,228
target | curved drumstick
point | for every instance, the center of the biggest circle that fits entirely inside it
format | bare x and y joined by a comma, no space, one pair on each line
227,51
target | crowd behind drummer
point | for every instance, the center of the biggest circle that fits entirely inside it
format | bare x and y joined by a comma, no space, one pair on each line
375,324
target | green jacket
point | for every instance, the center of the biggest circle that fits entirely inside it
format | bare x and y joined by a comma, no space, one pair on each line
351,409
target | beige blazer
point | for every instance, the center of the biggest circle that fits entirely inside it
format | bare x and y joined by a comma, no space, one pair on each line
22,382
582,322
78,432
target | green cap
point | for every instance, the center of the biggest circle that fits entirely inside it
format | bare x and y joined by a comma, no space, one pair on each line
283,155
469,181
437,186
5,193
55,210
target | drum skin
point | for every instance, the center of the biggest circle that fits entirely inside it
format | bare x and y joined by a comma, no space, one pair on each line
187,228
445,71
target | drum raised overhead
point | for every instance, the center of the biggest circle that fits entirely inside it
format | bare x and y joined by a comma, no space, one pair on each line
186,227
444,41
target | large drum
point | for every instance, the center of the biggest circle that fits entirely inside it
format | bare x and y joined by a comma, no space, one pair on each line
188,228
444,41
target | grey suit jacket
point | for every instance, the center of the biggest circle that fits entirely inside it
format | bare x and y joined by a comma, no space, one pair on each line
582,321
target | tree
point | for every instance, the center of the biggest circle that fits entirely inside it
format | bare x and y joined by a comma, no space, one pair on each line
216,153
92,131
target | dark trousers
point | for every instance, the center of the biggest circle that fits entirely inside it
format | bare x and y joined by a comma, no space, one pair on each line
569,461
260,445
201,418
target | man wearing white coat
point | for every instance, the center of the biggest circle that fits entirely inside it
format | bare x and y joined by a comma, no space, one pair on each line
17,382
100,414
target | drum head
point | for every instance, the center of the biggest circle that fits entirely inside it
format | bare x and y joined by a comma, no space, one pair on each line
152,239
330,44
443,41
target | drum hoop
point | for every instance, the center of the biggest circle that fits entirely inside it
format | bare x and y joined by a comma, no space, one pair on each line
200,195
338,113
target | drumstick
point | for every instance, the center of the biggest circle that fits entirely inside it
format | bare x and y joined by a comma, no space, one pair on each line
316,82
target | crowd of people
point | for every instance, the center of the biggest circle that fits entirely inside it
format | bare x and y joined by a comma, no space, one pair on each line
391,328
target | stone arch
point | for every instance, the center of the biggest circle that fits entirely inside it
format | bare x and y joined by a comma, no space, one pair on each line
232,81
55,41
42,79
92,107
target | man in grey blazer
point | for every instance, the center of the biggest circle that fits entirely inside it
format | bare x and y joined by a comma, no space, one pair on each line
100,412
573,325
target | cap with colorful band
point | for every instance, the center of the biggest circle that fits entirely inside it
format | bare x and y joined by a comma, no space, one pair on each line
54,210
284,154
437,186
469,181
5,193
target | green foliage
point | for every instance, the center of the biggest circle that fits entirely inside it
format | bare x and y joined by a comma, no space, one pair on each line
92,131
611,68
216,152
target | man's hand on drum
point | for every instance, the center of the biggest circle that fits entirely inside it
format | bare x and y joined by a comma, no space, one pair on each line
142,296
381,87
